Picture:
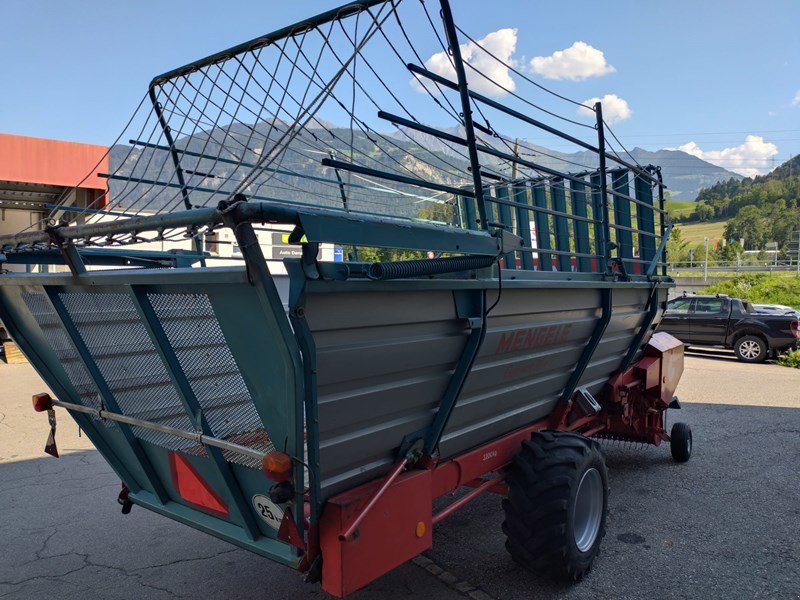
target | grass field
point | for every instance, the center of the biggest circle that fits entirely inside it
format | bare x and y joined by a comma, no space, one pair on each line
678,208
695,232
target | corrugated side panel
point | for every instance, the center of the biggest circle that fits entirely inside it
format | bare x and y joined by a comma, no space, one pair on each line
534,341
384,360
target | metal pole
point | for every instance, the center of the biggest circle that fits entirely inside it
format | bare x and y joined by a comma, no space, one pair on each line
601,145
466,108
797,233
705,265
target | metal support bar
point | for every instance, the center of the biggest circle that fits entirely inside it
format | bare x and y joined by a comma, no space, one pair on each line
601,144
504,211
580,229
542,227
108,257
308,349
472,307
559,199
417,70
662,247
664,234
260,277
523,224
393,474
106,394
339,12
354,168
176,161
319,225
606,301
466,106
466,498
192,406
198,437
67,248
247,165
541,209
629,198
469,217
622,216
652,311
600,227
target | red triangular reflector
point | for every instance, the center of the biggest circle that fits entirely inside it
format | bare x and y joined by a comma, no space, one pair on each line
193,488
288,531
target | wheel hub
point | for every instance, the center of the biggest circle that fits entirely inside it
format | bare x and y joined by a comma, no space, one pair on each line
749,349
588,509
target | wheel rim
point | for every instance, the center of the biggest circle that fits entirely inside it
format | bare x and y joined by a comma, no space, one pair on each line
588,509
749,349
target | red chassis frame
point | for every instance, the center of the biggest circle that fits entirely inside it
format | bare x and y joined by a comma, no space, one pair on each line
373,528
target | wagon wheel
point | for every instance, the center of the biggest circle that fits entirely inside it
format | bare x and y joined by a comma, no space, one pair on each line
557,504
681,442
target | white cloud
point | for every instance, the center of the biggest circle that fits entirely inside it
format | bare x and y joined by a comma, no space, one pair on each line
796,101
578,62
501,43
615,109
749,159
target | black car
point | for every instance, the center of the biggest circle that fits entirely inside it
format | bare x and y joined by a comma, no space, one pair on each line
730,323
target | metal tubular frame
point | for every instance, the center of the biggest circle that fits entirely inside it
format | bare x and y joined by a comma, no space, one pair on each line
466,107
259,275
200,438
417,70
606,304
601,143
473,309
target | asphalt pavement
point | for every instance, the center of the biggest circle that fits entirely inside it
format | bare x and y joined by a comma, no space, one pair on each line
724,525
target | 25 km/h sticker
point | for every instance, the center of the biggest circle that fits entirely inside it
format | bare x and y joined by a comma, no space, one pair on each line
271,513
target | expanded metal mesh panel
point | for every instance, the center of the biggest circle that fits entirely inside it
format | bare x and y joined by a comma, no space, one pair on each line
199,344
128,361
47,319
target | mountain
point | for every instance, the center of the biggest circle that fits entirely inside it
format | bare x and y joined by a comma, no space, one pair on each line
210,166
684,174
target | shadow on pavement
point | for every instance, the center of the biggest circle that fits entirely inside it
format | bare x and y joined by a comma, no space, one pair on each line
725,524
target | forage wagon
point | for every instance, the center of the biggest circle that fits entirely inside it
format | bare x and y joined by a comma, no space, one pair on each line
447,306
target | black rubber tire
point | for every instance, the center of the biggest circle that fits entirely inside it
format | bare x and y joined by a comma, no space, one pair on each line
539,511
764,350
680,443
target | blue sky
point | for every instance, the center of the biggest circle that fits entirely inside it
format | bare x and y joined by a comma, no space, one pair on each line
704,72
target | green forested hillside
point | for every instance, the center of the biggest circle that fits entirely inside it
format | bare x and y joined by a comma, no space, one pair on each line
758,210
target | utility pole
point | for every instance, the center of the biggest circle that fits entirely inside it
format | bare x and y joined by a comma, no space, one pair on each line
797,235
705,265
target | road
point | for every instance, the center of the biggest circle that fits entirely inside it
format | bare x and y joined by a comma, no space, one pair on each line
726,524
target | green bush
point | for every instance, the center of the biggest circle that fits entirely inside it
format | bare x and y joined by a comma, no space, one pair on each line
761,288
790,359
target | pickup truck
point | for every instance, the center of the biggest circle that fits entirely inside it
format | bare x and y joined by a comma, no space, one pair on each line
730,323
